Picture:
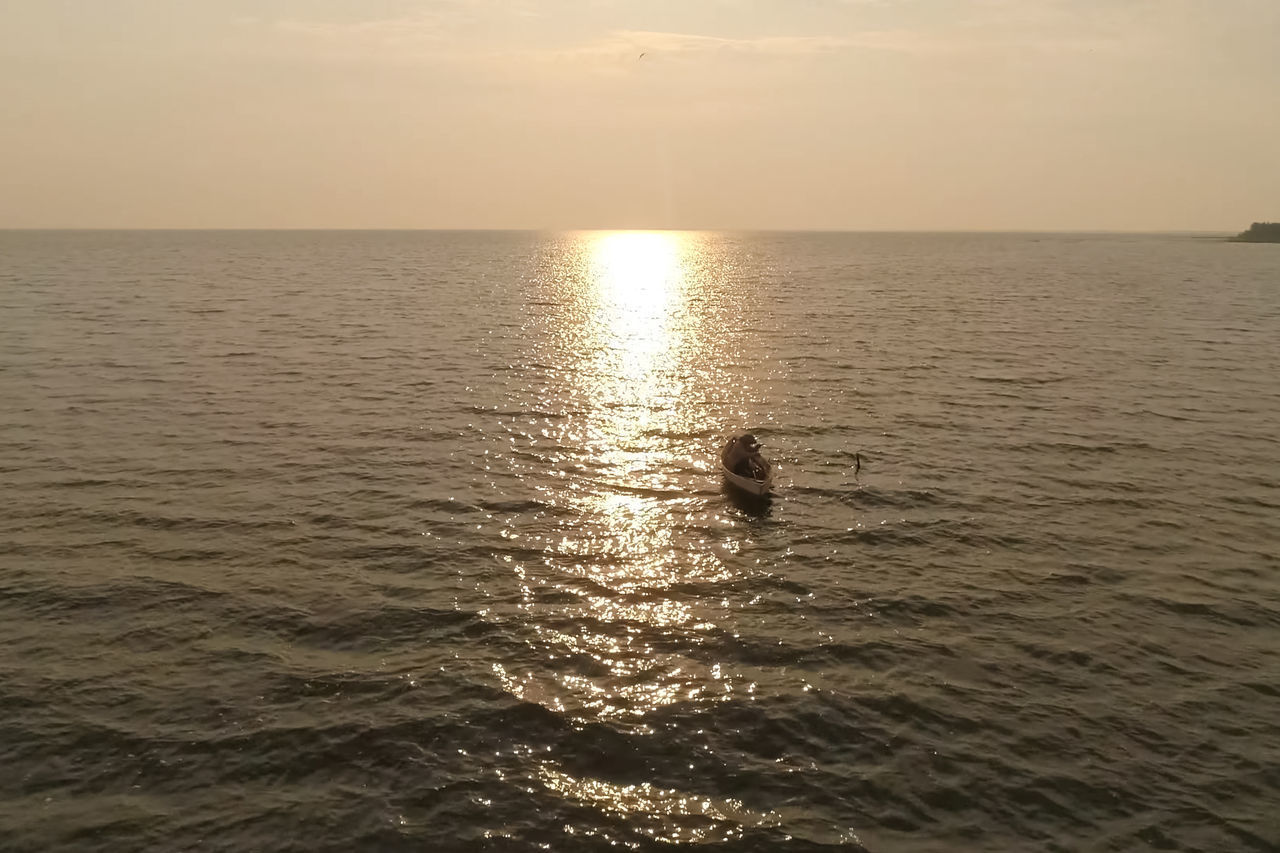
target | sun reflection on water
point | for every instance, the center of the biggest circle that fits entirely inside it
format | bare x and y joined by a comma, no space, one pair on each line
623,603
640,376
638,272
691,818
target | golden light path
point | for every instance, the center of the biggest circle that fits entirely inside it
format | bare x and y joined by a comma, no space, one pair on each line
636,330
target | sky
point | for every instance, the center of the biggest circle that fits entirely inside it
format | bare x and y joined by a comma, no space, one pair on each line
1142,115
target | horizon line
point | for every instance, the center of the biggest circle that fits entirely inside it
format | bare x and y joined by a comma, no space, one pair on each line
563,230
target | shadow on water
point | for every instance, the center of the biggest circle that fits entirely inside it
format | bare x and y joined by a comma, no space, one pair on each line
758,506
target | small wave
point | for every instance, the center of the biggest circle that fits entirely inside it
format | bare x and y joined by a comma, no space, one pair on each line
1241,613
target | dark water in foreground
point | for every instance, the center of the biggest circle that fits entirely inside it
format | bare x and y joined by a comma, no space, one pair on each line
414,542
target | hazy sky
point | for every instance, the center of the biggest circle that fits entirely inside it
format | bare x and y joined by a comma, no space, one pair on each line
860,114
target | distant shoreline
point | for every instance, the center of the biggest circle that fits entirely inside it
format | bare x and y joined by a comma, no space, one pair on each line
1259,232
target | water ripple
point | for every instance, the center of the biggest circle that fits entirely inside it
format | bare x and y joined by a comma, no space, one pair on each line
403,541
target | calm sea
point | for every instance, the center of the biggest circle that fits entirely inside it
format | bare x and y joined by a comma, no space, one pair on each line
416,541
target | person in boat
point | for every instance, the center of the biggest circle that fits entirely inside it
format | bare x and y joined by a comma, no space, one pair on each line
742,457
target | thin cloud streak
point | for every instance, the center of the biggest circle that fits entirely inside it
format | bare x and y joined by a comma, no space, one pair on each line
389,39
691,43
370,33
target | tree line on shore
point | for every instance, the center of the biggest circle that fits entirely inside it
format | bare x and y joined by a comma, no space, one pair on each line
1260,232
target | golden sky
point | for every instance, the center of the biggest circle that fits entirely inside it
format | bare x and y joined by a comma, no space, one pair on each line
845,114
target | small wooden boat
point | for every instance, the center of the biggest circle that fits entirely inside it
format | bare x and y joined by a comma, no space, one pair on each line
750,485
760,485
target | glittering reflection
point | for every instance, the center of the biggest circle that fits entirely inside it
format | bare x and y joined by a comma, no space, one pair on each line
623,601
639,287
624,570
684,817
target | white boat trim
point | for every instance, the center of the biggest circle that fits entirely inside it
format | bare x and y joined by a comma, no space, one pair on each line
750,485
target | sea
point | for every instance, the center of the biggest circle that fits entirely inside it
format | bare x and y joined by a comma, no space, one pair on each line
417,541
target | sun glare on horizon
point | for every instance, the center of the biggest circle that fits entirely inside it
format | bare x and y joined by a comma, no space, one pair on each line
637,269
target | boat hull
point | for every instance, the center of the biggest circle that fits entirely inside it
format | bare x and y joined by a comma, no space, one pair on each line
750,485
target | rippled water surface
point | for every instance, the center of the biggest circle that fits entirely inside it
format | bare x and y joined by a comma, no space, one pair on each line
415,541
